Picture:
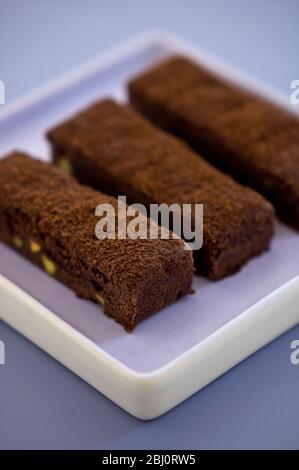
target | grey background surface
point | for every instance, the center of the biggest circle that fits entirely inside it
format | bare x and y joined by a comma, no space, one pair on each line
43,405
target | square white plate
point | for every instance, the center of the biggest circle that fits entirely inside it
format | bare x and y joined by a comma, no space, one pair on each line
187,345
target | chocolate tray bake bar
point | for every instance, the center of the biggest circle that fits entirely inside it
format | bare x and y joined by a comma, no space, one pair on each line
253,140
50,219
113,148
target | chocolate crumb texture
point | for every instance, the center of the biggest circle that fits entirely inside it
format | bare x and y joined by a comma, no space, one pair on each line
50,219
112,148
253,140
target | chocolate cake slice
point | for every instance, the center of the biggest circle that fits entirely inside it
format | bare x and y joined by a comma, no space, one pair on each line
50,219
111,147
253,140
